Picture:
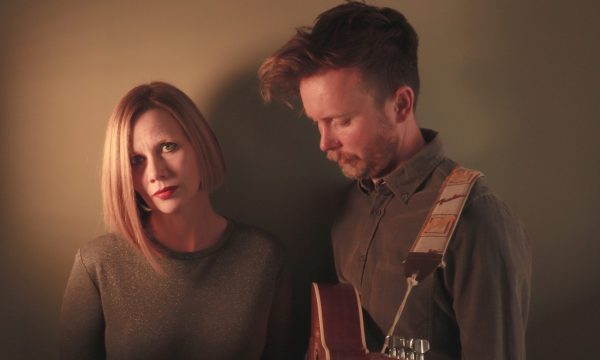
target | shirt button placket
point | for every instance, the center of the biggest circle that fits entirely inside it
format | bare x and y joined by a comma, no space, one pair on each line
404,196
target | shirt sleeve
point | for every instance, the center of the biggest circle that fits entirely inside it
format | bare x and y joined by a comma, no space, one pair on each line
488,276
278,344
81,318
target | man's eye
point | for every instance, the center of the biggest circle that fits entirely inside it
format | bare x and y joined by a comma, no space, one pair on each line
136,160
169,147
342,121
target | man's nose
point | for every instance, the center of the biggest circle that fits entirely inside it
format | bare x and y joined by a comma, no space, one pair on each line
328,140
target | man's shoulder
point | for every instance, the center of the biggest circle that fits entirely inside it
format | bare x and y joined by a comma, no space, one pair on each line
481,188
483,198
489,222
484,208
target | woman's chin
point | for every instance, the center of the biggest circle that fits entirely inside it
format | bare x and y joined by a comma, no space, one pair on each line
168,208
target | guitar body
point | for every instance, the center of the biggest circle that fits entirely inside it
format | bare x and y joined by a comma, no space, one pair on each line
337,325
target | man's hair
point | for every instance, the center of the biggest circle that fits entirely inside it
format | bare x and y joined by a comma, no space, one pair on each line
123,208
379,42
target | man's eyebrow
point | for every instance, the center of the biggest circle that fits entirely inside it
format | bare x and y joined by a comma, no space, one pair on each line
330,117
338,116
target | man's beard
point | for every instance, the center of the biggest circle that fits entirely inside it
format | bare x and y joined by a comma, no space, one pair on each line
351,165
378,158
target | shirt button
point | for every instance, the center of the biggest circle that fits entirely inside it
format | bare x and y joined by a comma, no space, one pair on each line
363,258
404,196
377,212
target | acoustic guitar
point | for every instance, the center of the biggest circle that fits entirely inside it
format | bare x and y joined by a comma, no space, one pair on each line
337,328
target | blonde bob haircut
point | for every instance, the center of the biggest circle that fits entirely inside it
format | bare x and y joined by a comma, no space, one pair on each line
123,208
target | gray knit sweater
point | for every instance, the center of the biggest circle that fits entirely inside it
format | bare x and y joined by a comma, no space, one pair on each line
230,301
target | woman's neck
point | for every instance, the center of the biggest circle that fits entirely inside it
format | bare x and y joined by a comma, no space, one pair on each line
193,228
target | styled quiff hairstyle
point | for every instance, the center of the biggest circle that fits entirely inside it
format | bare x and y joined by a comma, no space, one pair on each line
123,208
379,42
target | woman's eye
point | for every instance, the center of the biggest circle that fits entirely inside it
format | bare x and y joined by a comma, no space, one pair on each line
136,160
169,147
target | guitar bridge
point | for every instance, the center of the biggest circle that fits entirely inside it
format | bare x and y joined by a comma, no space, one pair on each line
407,349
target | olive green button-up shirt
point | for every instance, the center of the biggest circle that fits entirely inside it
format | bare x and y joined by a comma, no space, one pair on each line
474,308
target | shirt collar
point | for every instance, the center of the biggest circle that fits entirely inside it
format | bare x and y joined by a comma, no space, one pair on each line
407,178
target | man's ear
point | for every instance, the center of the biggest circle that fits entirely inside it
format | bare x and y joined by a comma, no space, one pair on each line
404,98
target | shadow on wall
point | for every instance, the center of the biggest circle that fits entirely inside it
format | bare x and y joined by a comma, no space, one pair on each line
279,180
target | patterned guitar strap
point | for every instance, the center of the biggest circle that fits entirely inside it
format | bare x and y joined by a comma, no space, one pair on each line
427,252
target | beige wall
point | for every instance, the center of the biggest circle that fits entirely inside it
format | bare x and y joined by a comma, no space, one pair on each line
511,86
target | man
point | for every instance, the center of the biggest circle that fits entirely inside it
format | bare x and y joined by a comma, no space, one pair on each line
357,76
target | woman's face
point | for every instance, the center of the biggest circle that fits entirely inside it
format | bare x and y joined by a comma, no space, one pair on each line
163,163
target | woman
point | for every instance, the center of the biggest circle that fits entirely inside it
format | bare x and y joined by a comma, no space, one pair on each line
174,279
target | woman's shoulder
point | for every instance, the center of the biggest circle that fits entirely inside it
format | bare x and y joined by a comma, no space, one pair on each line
105,248
257,239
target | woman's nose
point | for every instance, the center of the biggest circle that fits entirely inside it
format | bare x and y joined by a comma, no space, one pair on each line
157,169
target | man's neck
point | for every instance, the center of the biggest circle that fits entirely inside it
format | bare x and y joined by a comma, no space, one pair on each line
409,145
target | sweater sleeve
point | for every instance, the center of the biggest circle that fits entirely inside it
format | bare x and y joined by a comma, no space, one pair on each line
280,324
489,278
81,318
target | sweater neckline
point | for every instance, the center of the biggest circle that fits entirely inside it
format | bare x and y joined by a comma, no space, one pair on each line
195,254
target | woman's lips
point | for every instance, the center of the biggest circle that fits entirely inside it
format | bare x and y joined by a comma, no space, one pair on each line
165,193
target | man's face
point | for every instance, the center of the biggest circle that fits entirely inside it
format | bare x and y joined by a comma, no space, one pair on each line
356,132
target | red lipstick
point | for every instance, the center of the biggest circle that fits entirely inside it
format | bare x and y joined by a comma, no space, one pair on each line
165,192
